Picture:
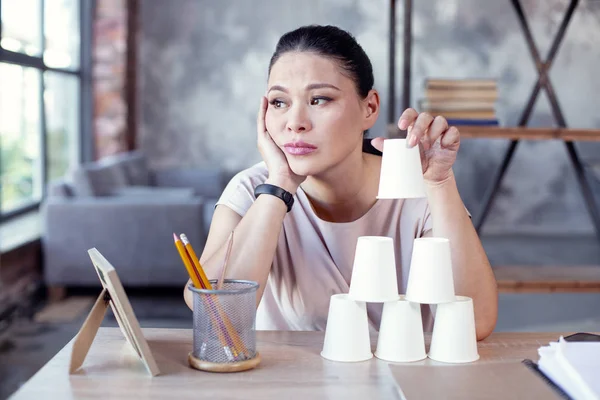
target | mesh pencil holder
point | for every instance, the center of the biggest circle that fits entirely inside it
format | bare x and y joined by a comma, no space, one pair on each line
224,327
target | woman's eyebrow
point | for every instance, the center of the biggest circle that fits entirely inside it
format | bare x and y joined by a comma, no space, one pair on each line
277,87
322,86
312,86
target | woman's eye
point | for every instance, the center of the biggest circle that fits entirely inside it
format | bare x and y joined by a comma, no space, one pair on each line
319,101
277,103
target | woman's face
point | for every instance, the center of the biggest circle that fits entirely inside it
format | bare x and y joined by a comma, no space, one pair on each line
315,114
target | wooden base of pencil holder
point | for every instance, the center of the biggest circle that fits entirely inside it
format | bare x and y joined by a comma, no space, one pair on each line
223,367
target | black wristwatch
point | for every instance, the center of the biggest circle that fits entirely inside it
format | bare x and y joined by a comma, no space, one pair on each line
276,191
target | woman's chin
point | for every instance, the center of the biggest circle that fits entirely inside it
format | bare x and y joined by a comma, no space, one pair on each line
305,167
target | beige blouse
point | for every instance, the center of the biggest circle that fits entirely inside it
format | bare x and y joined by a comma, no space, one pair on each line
314,258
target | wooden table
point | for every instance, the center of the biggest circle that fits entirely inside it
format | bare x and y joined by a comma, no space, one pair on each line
291,367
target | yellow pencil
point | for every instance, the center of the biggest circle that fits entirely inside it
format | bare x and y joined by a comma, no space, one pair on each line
192,272
196,261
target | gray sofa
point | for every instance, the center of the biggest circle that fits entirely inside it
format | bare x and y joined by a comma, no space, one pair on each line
128,212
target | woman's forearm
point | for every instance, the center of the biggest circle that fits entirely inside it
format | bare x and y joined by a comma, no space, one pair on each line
473,275
254,242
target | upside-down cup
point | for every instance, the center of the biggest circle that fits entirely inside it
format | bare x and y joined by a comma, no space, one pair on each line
401,175
430,278
374,271
454,339
347,331
401,332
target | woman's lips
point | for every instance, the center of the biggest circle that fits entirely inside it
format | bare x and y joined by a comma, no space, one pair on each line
299,148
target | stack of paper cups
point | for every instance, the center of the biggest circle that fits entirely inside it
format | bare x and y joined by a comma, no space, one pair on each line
454,338
430,282
374,271
347,331
401,332
401,175
430,279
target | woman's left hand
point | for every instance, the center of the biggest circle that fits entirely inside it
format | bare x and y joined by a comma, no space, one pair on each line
437,141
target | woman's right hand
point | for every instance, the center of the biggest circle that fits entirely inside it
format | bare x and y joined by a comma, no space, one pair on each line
280,173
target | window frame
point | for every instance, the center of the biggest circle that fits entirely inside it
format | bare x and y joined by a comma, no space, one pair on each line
84,76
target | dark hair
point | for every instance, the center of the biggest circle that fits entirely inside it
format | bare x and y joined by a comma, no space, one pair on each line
332,42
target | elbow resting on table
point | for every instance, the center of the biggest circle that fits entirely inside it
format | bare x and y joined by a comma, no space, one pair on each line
187,297
484,327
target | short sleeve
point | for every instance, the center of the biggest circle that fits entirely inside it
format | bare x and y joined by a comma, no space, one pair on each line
239,192
426,221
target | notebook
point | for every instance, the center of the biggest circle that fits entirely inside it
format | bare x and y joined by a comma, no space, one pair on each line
572,366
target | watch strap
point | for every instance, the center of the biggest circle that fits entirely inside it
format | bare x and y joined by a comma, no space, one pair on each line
276,191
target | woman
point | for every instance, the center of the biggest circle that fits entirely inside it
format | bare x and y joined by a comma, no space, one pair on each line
319,102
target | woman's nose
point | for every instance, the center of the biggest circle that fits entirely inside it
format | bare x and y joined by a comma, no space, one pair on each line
299,120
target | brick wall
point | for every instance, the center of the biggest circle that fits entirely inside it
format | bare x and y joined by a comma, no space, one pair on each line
109,77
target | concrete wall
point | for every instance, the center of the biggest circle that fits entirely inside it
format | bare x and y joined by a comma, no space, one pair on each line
203,68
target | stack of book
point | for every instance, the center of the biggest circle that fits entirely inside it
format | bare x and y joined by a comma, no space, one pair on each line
462,101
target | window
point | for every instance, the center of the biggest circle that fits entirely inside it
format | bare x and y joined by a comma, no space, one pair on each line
22,26
61,95
21,132
40,97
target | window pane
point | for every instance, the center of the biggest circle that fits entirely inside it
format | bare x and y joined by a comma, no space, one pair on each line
61,19
61,99
21,26
20,168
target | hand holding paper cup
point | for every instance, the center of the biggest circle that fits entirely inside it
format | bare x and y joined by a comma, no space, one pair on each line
347,331
454,339
430,278
401,174
374,270
401,332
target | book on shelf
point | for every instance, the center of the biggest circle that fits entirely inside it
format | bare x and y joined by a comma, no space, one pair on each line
466,114
438,83
472,122
462,101
460,94
463,89
456,105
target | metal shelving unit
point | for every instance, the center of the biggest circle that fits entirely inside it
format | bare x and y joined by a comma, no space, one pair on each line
514,134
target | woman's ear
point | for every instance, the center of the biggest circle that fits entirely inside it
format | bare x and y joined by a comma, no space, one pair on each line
371,106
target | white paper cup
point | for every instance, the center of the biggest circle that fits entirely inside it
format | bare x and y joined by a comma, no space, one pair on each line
430,278
374,271
401,174
401,332
347,332
454,339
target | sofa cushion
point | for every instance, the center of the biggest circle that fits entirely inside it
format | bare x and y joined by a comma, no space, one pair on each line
136,169
98,179
60,188
206,181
